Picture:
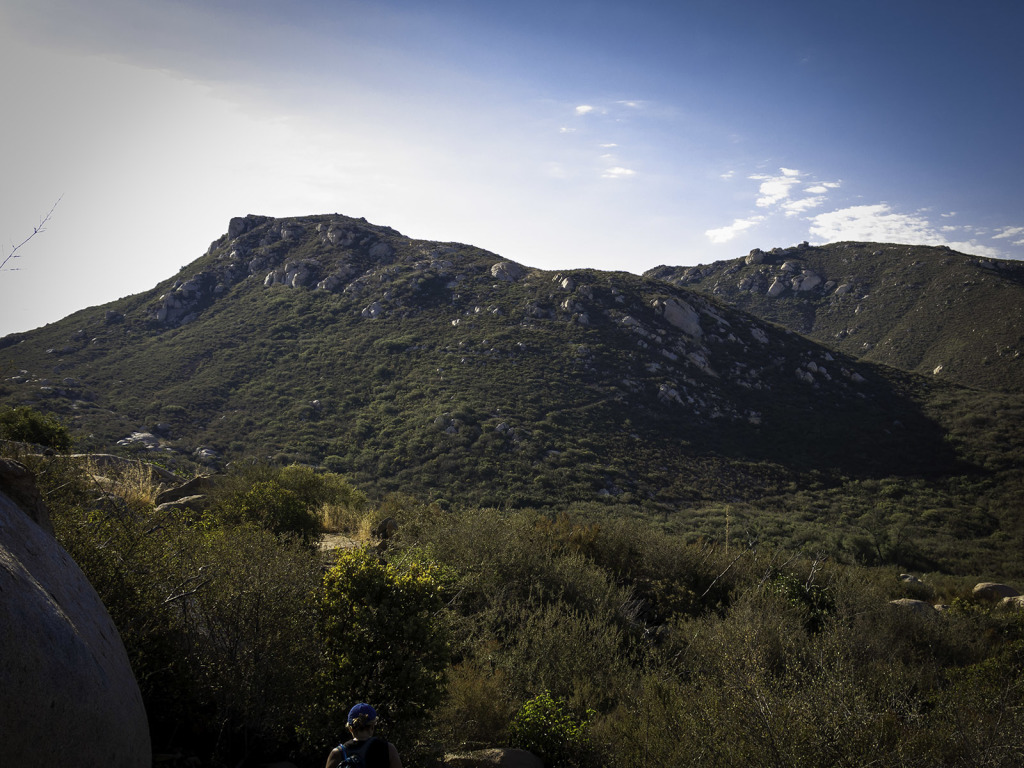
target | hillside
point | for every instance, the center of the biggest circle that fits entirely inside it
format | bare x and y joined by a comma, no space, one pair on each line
443,371
924,309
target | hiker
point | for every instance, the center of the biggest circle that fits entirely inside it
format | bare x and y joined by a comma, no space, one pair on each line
371,751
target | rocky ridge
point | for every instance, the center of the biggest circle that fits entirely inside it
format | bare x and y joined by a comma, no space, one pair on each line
924,309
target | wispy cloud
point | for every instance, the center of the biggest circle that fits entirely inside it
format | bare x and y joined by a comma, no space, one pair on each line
775,189
725,234
1007,232
618,172
879,223
796,207
584,109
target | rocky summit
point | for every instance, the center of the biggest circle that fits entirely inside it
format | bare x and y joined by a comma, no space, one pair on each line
443,369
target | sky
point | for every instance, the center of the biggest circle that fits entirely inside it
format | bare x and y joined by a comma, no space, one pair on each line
603,134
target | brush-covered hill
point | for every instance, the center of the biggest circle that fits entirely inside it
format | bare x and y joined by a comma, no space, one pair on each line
444,371
925,309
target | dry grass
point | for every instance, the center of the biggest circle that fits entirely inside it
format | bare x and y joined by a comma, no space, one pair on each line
133,481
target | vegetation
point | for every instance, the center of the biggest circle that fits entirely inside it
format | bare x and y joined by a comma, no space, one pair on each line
917,308
28,425
620,542
586,636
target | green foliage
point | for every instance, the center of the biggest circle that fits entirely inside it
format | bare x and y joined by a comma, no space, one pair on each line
277,509
814,601
290,500
382,634
545,726
27,425
217,621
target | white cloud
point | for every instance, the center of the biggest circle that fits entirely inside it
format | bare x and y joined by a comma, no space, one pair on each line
725,234
949,215
566,129
1008,232
727,175
822,187
879,223
1018,242
618,173
796,207
608,146
791,172
775,189
583,109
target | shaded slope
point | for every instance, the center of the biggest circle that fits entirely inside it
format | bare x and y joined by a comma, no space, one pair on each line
441,369
924,309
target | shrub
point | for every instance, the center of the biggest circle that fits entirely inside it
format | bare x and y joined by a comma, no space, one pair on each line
545,726
27,425
383,638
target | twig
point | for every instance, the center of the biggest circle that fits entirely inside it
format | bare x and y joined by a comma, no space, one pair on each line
40,228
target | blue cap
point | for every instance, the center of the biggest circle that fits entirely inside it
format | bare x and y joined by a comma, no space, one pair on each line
364,711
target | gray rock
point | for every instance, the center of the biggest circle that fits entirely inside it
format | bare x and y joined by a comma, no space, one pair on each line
756,256
810,281
67,692
494,758
991,591
18,482
919,607
196,485
195,503
777,288
683,317
508,271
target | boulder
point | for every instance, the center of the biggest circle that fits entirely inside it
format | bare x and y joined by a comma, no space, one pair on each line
18,482
508,271
809,281
1016,602
777,288
991,591
494,758
683,317
914,606
756,256
67,692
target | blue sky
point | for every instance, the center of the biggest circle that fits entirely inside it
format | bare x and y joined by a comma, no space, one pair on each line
606,134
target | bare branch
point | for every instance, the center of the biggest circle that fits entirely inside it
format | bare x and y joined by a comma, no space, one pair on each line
41,227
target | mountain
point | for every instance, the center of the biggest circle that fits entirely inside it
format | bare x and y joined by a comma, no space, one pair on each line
924,309
444,371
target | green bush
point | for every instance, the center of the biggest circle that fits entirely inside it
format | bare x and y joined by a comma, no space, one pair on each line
383,638
545,726
27,425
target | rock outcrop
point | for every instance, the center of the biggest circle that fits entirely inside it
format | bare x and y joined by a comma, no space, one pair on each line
494,758
67,692
992,592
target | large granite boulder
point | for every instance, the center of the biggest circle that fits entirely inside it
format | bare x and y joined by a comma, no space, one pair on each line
67,693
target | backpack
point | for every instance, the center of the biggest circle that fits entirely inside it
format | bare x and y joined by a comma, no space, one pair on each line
357,756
